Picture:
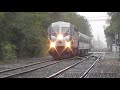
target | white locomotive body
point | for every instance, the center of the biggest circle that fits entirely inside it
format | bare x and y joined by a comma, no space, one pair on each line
65,40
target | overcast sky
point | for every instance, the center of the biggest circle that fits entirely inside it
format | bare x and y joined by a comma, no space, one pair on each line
97,20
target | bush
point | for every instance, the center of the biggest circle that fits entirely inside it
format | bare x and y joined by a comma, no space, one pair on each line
7,51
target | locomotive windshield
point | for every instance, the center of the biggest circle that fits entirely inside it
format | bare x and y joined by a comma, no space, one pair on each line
65,31
55,31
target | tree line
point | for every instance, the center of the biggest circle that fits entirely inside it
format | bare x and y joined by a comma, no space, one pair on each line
24,34
113,27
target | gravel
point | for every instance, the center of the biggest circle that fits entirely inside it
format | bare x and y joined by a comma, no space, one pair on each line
23,62
26,68
78,70
107,67
45,72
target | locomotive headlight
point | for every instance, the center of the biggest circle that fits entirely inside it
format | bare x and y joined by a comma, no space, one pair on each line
68,44
52,45
60,37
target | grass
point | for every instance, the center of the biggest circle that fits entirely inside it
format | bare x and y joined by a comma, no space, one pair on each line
7,61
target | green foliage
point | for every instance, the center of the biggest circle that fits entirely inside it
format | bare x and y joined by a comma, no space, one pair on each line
25,33
8,51
113,27
79,21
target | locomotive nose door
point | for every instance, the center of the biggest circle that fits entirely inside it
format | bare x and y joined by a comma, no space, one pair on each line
66,33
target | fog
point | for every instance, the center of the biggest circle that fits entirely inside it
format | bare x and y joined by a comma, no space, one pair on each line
97,20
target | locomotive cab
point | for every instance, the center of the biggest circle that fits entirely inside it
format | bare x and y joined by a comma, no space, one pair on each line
65,40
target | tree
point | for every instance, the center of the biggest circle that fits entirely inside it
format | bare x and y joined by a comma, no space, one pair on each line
25,33
79,21
113,27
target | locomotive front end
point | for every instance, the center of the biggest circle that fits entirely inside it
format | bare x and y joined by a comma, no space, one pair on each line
59,39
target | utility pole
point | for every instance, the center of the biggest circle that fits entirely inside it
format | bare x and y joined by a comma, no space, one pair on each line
98,43
117,41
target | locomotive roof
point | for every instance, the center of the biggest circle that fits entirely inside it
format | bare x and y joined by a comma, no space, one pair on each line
60,24
67,24
84,36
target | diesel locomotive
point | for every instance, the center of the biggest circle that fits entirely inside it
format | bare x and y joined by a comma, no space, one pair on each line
66,41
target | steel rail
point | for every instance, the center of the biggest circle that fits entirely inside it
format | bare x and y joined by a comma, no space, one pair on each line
59,72
91,67
33,69
3,71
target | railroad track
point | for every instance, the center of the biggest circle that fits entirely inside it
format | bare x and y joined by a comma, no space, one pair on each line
75,64
9,73
28,68
92,66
